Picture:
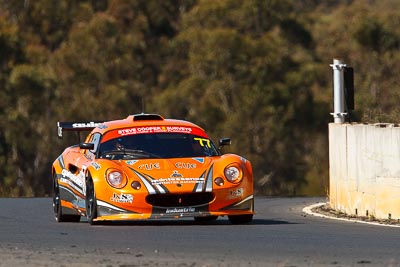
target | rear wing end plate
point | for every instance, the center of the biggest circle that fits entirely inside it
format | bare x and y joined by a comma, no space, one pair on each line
76,126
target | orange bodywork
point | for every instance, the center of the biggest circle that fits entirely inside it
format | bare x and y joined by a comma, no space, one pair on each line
152,188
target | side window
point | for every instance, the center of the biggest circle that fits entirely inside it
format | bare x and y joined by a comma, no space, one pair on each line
95,139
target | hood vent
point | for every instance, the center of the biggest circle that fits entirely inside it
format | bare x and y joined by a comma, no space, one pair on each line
147,117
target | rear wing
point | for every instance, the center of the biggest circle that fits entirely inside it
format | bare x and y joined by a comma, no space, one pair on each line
76,126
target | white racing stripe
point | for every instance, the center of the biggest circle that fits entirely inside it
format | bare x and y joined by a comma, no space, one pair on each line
105,204
244,200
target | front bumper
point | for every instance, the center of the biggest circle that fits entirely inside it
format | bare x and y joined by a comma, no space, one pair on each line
244,206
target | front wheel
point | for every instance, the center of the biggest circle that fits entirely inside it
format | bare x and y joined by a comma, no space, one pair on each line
91,203
240,219
58,213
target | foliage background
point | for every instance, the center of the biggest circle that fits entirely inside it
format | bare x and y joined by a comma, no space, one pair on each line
254,70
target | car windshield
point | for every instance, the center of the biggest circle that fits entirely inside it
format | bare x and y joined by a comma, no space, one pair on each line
157,145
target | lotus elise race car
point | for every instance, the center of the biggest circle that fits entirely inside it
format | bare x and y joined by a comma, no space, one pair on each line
148,167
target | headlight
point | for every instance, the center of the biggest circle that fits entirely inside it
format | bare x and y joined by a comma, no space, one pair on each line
233,173
116,178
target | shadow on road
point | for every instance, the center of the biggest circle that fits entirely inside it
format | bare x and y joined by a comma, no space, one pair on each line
187,222
270,222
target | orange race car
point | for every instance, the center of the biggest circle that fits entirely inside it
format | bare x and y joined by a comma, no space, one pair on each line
148,167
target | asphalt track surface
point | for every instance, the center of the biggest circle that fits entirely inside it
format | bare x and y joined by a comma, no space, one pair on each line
280,235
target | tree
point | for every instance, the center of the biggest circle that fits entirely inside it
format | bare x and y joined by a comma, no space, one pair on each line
240,80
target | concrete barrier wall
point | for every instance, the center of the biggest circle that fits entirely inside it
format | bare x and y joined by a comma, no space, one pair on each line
365,169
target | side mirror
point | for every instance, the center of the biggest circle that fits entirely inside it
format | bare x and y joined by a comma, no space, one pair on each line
89,146
224,142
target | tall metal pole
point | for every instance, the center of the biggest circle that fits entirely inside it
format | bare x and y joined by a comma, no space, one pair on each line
338,91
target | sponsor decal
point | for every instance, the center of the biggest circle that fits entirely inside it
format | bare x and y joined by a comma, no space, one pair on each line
71,184
89,156
155,129
150,166
180,210
235,193
203,141
131,162
122,198
96,165
185,165
177,180
75,181
85,124
175,129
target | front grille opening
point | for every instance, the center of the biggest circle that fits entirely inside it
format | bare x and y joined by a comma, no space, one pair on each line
180,200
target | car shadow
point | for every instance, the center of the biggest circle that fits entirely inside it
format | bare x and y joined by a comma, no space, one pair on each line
187,222
270,222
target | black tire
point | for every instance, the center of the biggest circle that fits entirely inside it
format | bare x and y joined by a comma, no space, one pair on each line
91,203
205,219
240,219
58,213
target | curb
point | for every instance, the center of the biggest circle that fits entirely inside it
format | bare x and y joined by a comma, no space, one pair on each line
308,210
